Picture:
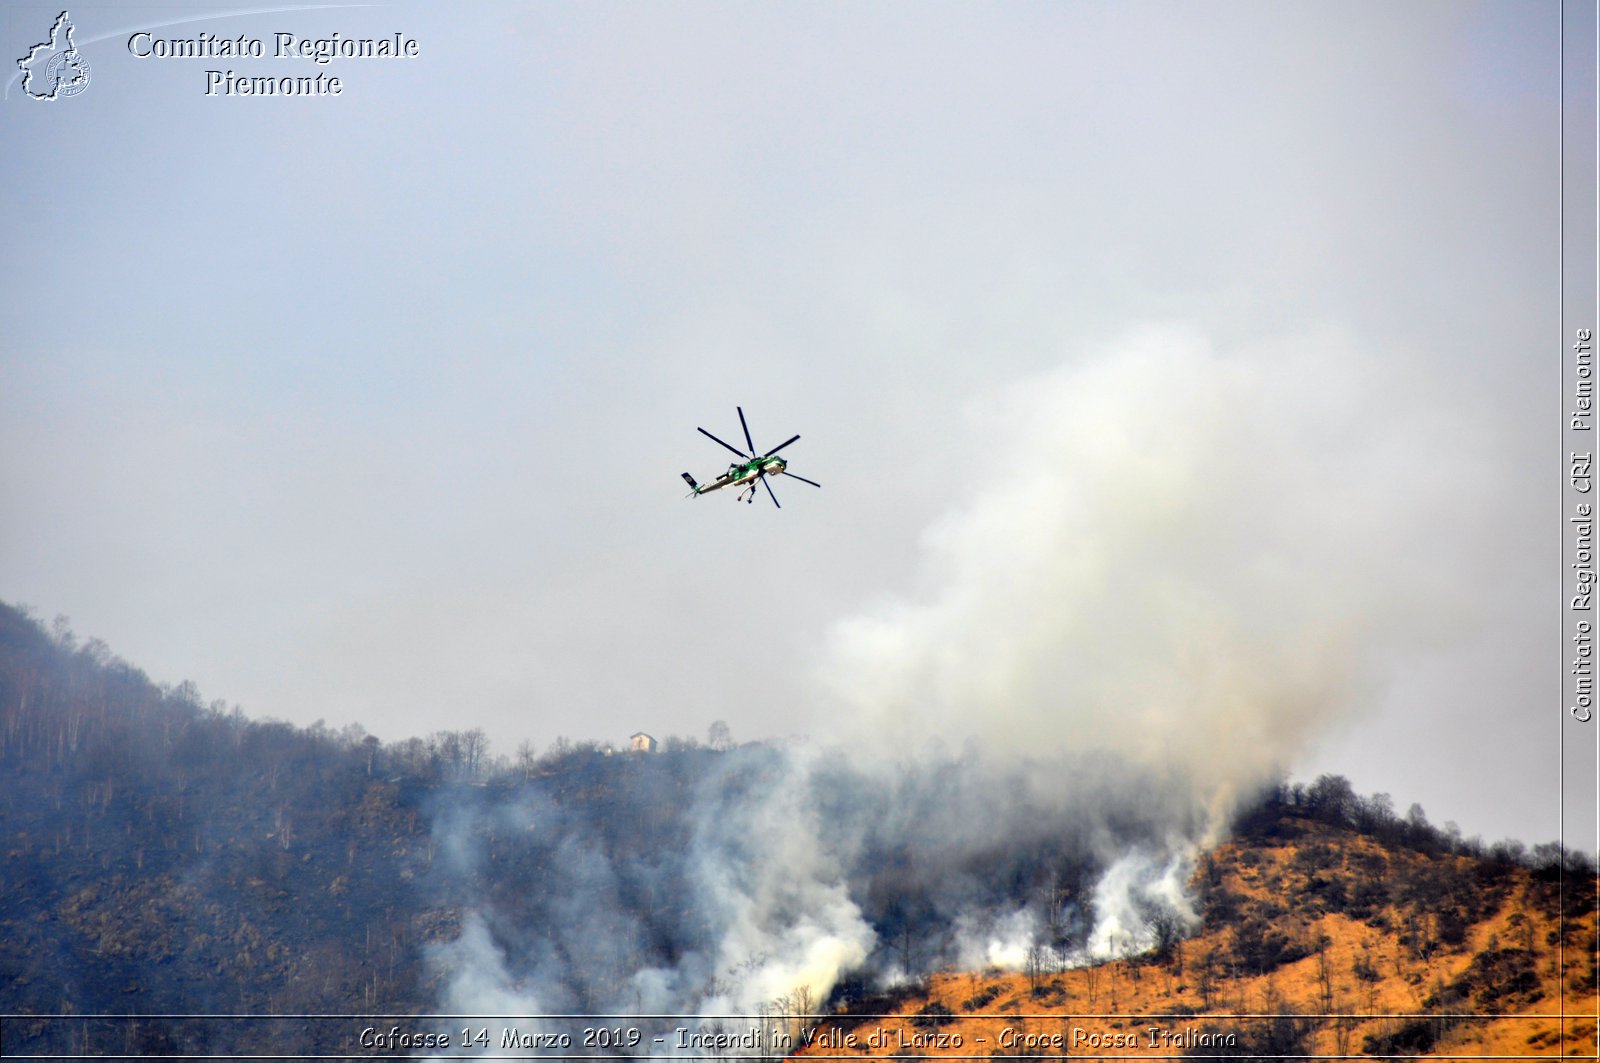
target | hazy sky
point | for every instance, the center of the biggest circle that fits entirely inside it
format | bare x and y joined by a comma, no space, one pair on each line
371,408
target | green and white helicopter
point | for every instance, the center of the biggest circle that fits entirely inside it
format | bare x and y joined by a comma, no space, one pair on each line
752,469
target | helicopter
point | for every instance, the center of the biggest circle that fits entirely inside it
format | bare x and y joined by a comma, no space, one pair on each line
752,468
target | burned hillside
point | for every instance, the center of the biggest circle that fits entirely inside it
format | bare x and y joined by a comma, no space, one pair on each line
166,856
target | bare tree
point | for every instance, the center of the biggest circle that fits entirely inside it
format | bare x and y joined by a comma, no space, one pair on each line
1523,926
804,1002
445,746
783,1011
716,1030
1206,980
61,631
474,750
1324,976
1343,1027
527,758
1166,930
1034,964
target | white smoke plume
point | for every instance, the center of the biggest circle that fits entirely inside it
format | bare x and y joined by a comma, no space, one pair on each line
724,902
1197,560
1133,887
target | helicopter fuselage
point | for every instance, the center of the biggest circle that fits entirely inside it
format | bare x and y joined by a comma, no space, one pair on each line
754,467
742,473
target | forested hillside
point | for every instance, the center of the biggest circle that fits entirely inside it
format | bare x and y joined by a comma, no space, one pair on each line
168,858
165,857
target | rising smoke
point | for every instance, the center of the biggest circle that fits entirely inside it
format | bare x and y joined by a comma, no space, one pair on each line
1178,568
1195,560
759,880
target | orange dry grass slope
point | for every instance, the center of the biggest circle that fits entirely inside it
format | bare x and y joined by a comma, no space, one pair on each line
1316,941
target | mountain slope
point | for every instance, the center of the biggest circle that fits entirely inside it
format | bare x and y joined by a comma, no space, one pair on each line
164,857
1316,939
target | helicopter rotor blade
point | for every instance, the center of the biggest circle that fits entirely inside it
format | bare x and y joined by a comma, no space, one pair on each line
746,428
779,447
802,479
730,446
769,492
